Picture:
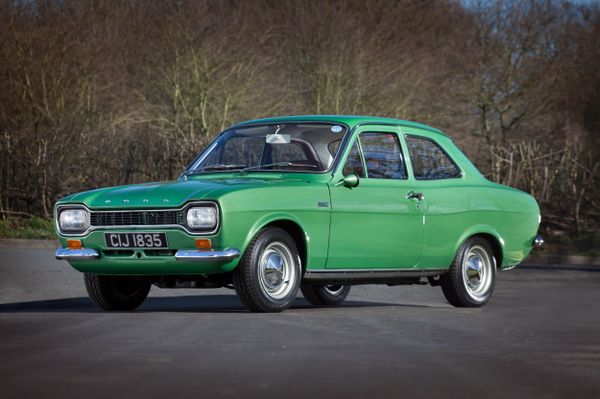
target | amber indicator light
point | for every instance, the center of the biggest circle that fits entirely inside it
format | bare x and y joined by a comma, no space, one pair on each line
203,243
74,244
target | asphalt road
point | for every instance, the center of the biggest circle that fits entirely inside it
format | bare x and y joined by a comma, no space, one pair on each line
538,337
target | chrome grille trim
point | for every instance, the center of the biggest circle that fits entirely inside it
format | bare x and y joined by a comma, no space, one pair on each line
136,218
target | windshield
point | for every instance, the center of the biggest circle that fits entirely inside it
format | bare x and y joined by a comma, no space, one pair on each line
289,147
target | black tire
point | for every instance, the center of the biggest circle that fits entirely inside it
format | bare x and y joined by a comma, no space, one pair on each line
256,283
325,294
116,292
462,291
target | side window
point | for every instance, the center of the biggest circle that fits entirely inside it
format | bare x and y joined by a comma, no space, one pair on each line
354,162
383,155
429,161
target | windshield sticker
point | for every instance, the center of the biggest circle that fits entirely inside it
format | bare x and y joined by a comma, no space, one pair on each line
336,128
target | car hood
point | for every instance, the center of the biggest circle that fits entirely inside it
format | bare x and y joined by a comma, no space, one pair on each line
167,194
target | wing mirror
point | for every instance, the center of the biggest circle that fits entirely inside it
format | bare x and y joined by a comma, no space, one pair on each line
349,181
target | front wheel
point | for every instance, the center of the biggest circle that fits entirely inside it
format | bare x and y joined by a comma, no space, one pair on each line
325,294
268,275
116,292
470,280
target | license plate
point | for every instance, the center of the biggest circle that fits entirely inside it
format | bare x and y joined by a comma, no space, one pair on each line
136,240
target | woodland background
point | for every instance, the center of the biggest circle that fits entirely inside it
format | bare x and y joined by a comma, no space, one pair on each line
98,93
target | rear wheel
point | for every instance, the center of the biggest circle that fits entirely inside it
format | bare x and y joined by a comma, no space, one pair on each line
116,292
470,280
325,294
268,275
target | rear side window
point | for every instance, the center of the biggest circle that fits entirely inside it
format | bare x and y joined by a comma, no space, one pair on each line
429,160
383,155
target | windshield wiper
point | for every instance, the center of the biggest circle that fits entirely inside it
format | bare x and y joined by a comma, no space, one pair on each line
214,168
278,164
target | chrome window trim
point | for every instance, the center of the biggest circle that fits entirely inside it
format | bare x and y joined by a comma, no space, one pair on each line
338,167
183,227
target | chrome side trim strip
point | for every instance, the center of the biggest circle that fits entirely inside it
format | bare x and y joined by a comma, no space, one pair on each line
194,255
350,274
76,254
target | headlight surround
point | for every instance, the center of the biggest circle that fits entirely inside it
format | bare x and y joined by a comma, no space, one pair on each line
73,220
202,217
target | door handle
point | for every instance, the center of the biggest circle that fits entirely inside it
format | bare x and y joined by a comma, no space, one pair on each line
414,195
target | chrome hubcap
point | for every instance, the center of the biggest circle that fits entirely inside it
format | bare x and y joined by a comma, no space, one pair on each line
333,289
477,272
277,273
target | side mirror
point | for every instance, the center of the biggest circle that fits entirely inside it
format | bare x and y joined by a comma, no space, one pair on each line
349,181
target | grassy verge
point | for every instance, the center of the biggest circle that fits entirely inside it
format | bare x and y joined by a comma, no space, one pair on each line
35,227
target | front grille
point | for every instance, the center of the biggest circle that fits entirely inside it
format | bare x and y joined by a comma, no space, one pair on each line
136,218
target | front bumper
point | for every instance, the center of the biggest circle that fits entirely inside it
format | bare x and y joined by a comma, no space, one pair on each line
141,263
189,255
146,261
77,254
193,255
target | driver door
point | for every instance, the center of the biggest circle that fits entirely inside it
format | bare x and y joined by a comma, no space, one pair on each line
374,225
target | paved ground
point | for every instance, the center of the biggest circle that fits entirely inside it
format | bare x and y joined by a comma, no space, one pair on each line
539,337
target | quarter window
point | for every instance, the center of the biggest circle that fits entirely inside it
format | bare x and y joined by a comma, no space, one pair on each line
383,155
429,160
354,162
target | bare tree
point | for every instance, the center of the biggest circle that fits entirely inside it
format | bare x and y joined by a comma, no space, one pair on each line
97,93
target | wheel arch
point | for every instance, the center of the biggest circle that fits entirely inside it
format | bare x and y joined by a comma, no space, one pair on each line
491,236
291,225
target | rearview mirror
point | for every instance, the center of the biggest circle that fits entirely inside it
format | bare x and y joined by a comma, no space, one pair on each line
278,138
349,181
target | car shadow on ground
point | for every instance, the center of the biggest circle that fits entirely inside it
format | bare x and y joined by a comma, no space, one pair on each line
174,304
567,268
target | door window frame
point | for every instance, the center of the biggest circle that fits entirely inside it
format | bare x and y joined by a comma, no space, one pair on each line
400,149
375,128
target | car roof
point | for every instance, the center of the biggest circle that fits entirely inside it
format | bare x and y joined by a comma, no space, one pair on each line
350,120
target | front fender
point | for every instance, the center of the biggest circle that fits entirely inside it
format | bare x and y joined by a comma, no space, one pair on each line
265,220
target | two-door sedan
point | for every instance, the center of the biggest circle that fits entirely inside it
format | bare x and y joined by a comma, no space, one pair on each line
316,203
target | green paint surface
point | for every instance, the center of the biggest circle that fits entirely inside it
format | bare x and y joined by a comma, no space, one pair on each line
373,225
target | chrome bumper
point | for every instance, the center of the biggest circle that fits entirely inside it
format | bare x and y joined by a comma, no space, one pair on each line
190,255
76,254
538,241
194,255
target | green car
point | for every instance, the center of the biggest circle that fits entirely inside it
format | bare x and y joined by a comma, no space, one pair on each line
316,203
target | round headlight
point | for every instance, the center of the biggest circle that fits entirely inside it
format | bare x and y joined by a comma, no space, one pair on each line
202,218
74,220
